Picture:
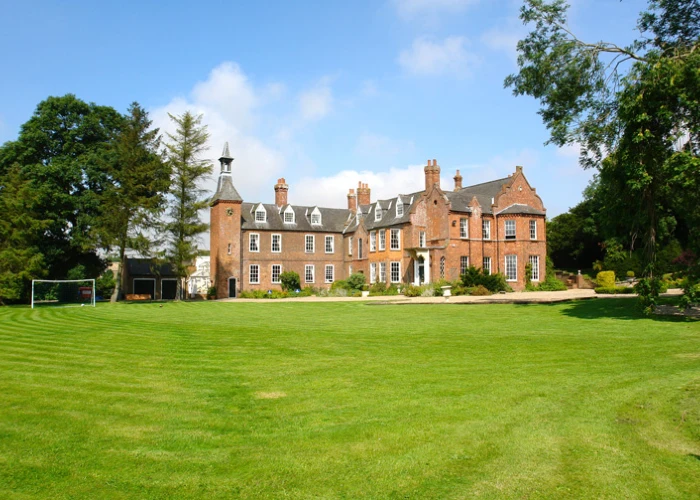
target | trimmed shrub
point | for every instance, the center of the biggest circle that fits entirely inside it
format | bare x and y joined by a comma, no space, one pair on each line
630,274
474,277
605,279
356,281
609,290
290,281
480,290
413,291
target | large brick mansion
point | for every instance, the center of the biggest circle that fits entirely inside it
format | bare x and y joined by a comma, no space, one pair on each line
414,238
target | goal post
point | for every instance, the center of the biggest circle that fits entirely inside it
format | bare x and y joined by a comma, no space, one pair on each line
63,293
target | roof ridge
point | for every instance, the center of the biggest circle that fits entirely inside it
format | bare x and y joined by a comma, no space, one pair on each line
487,182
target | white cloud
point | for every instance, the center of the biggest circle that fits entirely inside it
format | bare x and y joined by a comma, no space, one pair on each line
316,102
427,57
410,9
332,191
231,109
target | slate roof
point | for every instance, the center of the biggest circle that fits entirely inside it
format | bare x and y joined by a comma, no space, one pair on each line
225,190
333,220
519,208
143,267
484,192
388,207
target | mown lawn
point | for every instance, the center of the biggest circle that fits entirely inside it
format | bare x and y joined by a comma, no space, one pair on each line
345,400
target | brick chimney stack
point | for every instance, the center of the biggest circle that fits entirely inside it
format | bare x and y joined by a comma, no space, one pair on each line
432,175
281,189
363,194
458,181
352,200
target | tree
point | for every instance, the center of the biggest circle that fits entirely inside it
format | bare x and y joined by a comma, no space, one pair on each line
139,180
20,259
184,225
634,110
60,154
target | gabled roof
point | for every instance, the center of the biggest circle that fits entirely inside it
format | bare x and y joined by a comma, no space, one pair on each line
484,192
333,220
389,217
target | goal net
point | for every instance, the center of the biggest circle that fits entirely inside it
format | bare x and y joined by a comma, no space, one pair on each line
63,293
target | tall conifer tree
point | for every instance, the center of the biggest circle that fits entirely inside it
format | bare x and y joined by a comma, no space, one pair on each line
184,225
139,182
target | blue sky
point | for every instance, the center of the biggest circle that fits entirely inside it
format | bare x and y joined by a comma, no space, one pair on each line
322,93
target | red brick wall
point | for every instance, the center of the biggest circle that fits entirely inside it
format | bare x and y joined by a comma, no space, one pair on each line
225,231
292,258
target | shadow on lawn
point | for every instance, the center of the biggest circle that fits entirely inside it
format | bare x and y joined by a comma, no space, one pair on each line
619,308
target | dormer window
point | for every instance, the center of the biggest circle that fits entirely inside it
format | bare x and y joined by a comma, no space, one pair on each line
260,214
316,217
377,212
289,216
399,208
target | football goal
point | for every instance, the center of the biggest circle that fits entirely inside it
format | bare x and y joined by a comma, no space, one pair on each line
63,293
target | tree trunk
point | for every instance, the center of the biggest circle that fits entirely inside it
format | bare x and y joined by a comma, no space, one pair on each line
120,272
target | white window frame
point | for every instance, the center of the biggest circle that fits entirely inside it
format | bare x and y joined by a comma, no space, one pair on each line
332,273
316,219
254,237
486,229
350,246
309,269
463,268
484,262
332,240
398,239
382,272
260,210
377,213
422,242
535,265
399,207
287,212
272,243
398,268
373,241
463,228
506,224
533,229
382,240
312,239
250,274
515,266
372,272
272,274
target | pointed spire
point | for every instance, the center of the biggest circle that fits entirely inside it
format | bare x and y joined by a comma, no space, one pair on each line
226,155
225,191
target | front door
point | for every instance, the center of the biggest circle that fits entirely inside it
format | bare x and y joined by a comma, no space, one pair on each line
421,270
232,287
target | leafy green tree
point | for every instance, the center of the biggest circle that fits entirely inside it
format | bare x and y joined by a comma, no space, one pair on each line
183,225
61,152
139,180
21,222
635,110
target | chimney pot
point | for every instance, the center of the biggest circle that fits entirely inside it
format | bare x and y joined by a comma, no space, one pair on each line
281,190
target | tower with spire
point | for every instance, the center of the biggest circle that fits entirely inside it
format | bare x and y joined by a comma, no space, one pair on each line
225,236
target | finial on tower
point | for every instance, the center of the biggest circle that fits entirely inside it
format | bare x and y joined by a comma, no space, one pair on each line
226,160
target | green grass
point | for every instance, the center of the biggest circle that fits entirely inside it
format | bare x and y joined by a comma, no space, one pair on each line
345,400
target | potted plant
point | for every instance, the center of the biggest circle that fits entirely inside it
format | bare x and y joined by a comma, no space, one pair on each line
211,293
